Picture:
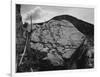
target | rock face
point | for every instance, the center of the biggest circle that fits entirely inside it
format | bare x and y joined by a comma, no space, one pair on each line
57,37
60,43
60,39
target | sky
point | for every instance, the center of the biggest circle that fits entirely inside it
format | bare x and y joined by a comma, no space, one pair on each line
42,13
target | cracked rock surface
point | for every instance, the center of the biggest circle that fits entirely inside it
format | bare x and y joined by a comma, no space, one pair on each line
59,39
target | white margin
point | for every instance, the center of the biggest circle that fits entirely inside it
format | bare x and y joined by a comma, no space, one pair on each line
40,74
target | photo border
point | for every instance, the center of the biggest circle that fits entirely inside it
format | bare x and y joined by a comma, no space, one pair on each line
13,48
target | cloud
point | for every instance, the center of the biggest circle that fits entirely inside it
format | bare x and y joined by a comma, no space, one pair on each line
38,15
34,13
